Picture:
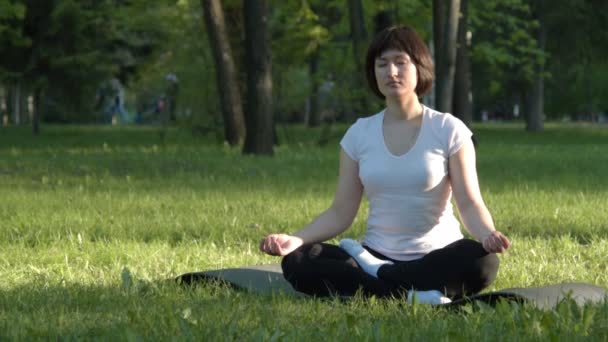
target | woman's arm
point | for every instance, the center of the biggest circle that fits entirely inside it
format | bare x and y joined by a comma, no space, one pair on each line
473,211
333,221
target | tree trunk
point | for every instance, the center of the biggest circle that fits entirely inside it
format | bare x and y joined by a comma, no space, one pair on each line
535,102
3,105
36,113
439,19
358,37
17,103
382,20
463,96
445,25
225,71
589,91
259,139
314,117
358,32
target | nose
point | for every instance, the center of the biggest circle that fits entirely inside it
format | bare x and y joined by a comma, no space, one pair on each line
392,69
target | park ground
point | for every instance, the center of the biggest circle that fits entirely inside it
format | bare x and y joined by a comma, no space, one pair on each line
94,220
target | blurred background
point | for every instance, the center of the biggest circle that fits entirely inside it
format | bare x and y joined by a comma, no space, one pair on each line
235,66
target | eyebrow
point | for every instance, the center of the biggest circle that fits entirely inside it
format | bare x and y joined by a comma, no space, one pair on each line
404,56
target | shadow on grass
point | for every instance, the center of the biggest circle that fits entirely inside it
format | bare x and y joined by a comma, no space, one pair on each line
140,310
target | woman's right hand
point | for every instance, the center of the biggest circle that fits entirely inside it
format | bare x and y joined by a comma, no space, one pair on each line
280,244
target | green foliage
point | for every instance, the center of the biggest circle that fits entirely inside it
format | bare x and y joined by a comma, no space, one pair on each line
303,30
184,51
505,54
56,52
11,14
297,33
577,65
580,28
68,47
577,90
504,50
415,13
141,34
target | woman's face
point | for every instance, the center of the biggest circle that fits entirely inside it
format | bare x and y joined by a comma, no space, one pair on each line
395,74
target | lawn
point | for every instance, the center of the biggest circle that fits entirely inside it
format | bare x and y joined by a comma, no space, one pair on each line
94,220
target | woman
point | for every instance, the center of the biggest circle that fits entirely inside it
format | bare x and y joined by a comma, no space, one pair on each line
408,159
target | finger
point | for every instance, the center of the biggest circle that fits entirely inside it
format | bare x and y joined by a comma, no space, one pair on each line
288,247
275,247
499,249
490,245
268,245
505,241
491,240
487,246
262,242
499,243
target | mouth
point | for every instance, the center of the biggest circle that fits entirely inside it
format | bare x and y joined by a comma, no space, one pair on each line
392,83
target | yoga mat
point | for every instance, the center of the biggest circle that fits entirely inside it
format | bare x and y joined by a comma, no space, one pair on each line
543,297
261,278
269,279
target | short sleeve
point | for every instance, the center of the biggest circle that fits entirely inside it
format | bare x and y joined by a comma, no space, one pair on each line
350,142
459,133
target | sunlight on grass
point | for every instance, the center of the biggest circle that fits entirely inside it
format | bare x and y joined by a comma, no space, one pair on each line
95,221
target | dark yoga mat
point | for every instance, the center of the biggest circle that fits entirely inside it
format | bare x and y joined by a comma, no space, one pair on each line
543,297
269,279
262,278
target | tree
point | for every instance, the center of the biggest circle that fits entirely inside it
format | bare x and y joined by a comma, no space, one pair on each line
314,117
534,97
66,48
358,35
576,69
317,38
12,15
259,121
357,31
56,59
463,106
445,30
300,33
504,54
226,74
383,19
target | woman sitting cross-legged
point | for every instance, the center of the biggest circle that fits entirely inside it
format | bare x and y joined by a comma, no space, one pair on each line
408,159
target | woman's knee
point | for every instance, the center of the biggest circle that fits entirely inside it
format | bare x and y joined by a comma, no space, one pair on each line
482,269
293,262
300,271
487,268
468,247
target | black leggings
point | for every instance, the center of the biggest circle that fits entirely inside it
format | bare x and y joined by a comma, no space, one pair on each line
459,269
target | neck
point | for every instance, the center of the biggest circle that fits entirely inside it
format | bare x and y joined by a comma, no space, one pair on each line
404,109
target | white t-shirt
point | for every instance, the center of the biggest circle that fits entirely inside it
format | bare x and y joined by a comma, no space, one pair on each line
410,213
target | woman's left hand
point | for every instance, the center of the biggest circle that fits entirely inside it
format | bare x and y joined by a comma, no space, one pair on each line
496,242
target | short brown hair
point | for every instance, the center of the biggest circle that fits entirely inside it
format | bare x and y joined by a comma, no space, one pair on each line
401,38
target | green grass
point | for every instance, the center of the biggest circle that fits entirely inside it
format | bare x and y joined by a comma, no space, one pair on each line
93,220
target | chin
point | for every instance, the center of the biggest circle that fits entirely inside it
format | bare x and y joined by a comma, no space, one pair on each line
396,94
